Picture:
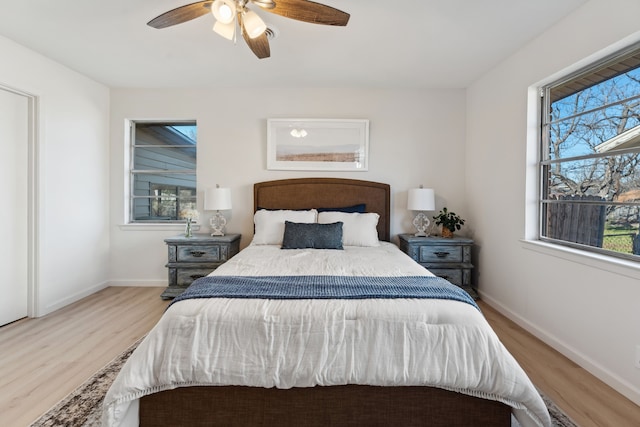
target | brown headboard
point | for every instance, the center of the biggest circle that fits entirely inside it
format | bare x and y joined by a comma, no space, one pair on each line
309,193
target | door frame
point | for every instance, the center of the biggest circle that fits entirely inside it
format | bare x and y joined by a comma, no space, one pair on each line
33,198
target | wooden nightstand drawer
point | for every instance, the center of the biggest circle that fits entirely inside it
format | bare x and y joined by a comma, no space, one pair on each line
200,253
185,276
440,253
454,275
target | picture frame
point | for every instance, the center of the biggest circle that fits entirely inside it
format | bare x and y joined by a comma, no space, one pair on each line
318,144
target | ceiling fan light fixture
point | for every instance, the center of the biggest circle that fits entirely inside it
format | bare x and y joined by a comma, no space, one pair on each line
253,24
225,30
224,11
235,17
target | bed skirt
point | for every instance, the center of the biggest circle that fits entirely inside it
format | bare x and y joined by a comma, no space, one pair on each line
349,405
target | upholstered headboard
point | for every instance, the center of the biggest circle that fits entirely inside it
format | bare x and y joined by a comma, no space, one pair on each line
309,193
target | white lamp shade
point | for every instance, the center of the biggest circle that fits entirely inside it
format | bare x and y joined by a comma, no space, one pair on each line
253,24
421,199
224,11
217,199
225,30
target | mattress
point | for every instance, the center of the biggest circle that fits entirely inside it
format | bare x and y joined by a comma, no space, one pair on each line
309,342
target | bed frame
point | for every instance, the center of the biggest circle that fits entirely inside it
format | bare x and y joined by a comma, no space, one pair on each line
349,405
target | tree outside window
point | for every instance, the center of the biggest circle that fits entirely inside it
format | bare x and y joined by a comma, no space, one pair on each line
590,192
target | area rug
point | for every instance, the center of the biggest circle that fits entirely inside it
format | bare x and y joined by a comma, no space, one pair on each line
83,406
558,418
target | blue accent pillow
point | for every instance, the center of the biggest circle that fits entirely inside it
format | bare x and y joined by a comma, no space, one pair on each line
361,208
299,235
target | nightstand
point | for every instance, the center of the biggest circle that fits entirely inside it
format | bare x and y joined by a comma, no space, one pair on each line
444,257
193,257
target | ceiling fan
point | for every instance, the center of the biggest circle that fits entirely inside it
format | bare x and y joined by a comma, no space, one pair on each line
230,14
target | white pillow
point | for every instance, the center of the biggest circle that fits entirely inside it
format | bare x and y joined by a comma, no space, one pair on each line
270,224
358,229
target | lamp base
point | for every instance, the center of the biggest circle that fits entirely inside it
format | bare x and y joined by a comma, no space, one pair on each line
421,223
217,223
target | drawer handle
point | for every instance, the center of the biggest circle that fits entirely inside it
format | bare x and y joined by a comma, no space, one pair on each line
441,254
197,254
197,276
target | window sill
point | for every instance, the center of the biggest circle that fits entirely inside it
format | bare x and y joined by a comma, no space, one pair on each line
602,262
156,227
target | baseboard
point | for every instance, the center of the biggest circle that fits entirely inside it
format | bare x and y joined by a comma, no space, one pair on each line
61,303
50,308
614,381
139,283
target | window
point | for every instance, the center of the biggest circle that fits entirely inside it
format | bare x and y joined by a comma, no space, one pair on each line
163,171
589,168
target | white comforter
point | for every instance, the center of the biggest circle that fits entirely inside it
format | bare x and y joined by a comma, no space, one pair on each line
303,343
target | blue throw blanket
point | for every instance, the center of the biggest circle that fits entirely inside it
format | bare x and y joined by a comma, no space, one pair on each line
324,287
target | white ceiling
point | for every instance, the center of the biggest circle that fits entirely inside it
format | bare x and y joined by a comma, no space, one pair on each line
399,44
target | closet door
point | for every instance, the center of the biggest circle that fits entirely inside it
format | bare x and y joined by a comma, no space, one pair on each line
14,179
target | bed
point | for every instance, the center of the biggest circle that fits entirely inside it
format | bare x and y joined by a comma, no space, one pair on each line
243,360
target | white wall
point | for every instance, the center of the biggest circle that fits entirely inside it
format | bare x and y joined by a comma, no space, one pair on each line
585,307
416,137
72,172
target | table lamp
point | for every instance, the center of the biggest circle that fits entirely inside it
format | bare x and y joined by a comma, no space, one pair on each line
421,199
217,199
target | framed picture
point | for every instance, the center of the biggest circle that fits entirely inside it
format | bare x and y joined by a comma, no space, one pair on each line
318,144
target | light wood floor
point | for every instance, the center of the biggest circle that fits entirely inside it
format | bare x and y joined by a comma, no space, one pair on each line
584,398
42,360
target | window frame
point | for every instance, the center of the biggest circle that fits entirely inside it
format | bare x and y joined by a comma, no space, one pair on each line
544,143
131,171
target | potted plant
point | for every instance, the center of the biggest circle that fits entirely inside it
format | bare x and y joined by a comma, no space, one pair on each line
450,222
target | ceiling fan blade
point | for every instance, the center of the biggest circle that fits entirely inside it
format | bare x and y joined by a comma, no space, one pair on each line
265,4
309,11
181,14
259,45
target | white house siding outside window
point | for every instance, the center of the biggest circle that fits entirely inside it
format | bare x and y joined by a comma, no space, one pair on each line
590,153
162,171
